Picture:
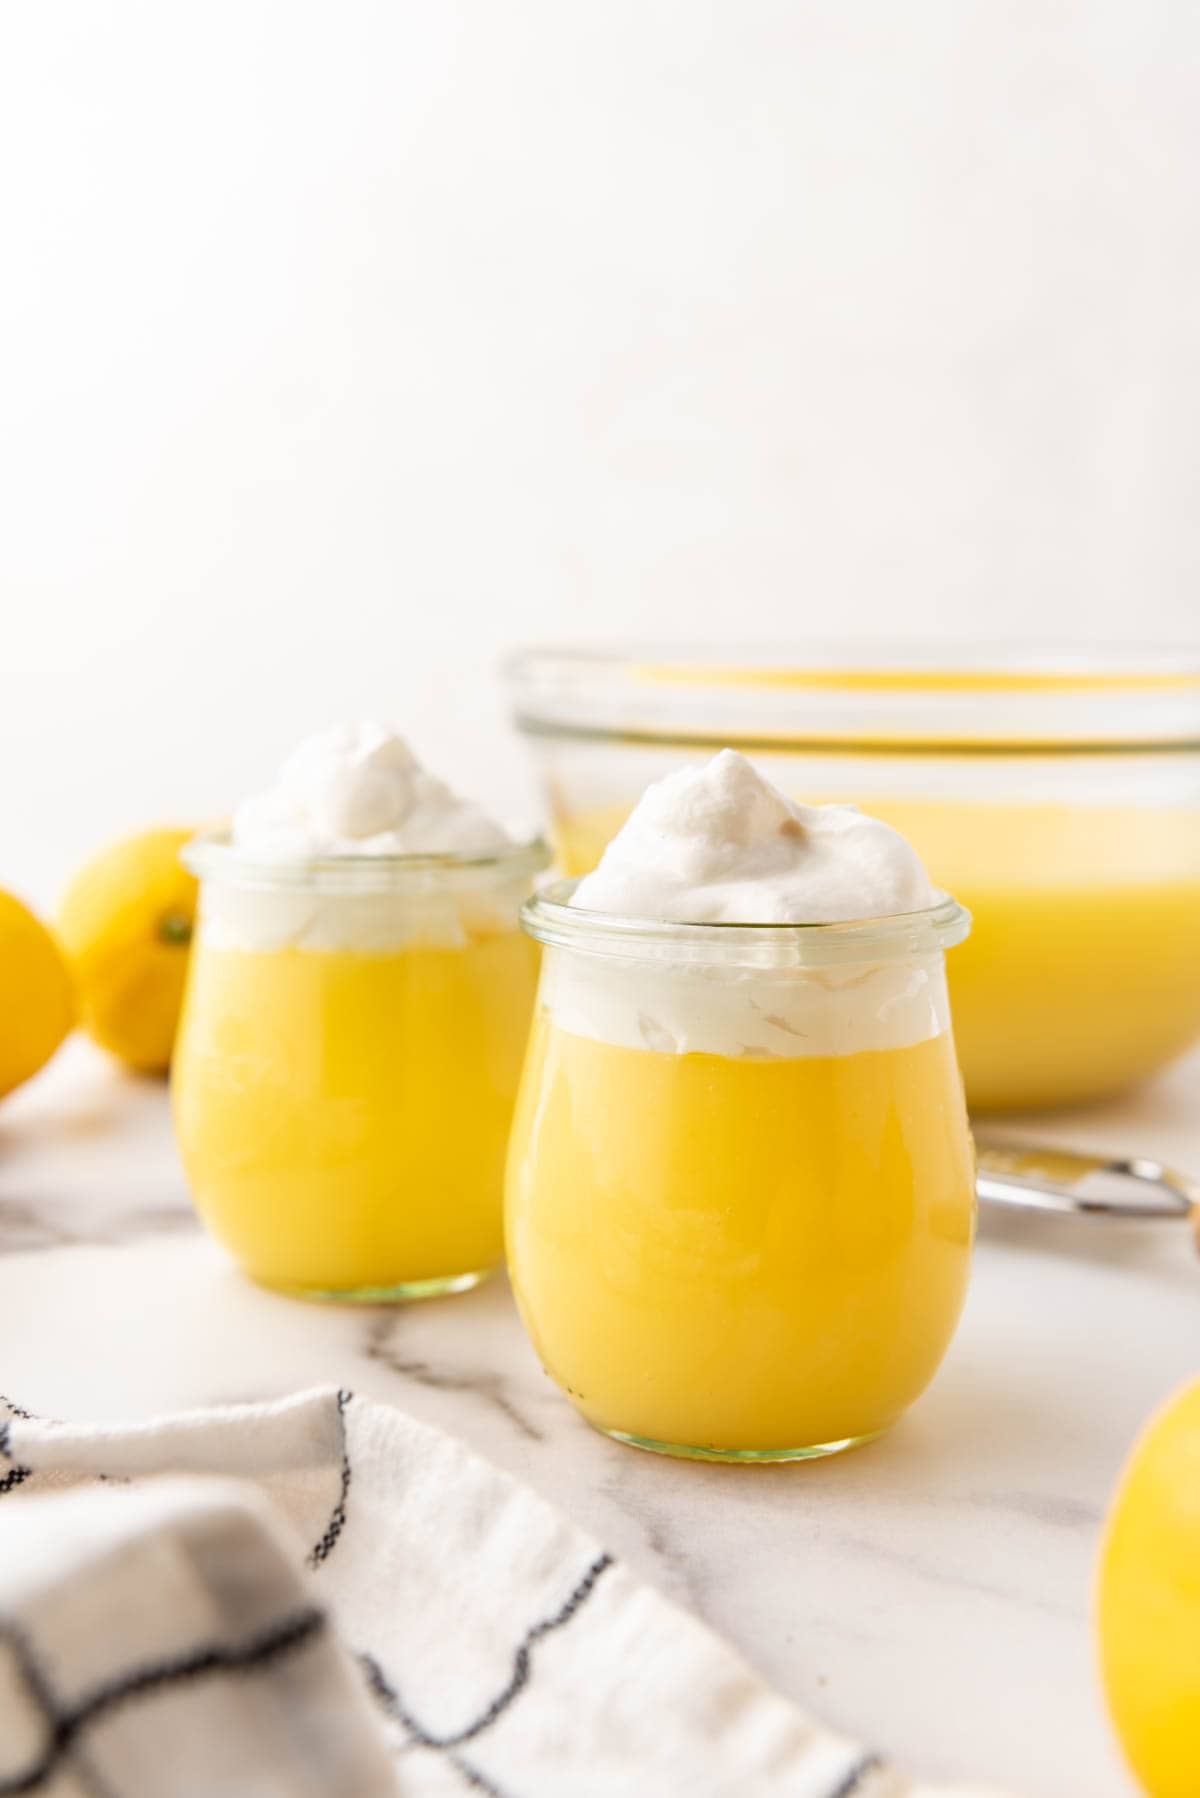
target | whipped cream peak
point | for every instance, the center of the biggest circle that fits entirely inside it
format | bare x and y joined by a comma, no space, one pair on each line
721,844
359,790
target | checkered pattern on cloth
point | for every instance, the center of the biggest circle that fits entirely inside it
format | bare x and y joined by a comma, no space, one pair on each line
325,1599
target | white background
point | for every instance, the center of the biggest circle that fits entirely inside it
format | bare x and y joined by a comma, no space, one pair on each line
343,344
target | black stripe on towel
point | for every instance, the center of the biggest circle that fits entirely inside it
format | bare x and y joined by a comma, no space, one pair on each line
337,1517
382,1689
852,1781
65,1724
517,1680
519,1677
16,1475
478,1782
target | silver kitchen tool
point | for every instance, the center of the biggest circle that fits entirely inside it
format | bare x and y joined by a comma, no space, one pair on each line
1034,1177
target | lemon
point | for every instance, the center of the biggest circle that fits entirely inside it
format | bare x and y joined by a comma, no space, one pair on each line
37,1000
126,923
1149,1603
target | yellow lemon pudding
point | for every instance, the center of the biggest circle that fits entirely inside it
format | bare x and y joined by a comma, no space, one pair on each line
740,1196
353,1028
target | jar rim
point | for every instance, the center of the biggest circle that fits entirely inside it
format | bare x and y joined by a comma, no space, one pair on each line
550,918
901,697
214,856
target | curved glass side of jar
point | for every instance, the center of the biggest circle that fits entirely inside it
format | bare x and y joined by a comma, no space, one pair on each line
1061,802
740,1197
347,1063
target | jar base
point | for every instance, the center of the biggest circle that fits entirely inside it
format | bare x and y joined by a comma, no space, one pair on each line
404,1292
682,1451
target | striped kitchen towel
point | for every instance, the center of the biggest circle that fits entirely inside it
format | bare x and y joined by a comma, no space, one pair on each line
350,1604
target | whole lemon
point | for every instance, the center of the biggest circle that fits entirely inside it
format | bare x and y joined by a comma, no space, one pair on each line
1149,1602
126,923
37,998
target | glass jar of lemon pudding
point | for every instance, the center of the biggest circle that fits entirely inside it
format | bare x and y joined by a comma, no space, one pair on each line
740,1193
1056,793
349,1053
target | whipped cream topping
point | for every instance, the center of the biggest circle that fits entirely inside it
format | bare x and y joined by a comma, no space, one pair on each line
772,1014
359,790
266,919
721,844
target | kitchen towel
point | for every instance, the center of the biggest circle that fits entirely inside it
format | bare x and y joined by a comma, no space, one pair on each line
351,1604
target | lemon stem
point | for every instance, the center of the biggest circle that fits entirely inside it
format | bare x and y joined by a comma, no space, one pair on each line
175,929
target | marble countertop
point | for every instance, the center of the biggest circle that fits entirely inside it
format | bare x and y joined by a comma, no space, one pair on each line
929,1593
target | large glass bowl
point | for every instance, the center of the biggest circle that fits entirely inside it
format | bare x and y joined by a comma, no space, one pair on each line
1057,794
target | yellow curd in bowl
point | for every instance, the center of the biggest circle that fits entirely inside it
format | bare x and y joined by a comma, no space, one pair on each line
342,1116
1054,790
1082,971
737,1258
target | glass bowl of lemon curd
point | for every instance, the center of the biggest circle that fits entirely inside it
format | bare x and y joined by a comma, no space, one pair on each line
354,1024
740,1197
1057,793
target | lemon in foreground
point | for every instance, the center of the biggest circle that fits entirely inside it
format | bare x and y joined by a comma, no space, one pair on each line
126,923
37,999
1149,1603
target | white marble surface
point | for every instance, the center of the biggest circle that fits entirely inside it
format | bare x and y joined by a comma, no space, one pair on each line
929,1593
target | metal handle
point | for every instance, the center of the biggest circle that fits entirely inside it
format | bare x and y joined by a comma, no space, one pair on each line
1035,1178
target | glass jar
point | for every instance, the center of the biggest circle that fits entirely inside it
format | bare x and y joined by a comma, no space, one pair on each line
1057,794
347,1062
741,1191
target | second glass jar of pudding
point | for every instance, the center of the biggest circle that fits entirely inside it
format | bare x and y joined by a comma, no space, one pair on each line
741,1190
347,1062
